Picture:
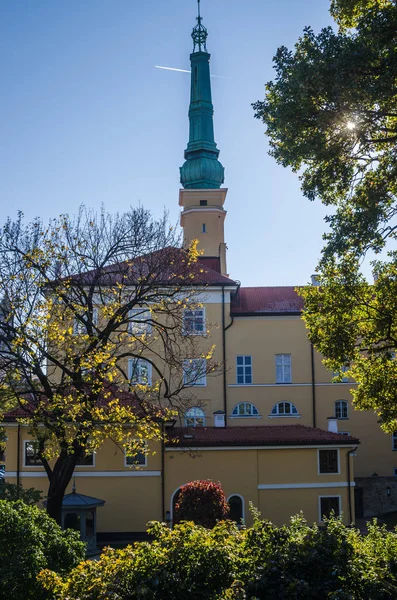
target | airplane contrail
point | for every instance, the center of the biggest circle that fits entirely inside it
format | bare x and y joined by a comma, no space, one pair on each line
183,71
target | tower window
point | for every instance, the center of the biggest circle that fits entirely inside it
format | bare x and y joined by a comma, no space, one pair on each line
204,228
203,202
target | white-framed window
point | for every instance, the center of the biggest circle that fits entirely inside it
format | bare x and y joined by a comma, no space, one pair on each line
283,368
342,370
328,504
30,458
139,459
194,321
244,369
139,321
195,417
394,440
195,372
344,432
284,409
245,409
79,327
139,371
341,409
88,460
328,461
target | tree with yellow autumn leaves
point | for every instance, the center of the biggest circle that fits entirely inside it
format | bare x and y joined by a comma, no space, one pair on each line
92,338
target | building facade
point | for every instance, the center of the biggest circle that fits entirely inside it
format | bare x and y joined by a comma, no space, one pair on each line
273,428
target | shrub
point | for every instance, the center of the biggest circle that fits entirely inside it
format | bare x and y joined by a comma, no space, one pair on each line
187,562
302,562
13,492
29,542
264,562
203,502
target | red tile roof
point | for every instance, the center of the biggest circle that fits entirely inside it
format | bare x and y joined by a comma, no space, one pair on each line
265,435
127,399
266,300
168,266
211,262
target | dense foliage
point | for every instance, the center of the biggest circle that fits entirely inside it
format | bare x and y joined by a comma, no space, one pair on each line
203,502
331,115
29,542
295,562
13,492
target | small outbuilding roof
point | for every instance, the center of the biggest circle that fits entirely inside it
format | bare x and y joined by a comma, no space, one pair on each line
265,435
75,500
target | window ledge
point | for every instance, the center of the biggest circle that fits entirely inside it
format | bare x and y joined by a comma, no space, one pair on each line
194,333
342,418
245,416
284,416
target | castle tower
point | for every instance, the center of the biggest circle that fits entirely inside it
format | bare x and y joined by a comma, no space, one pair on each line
202,174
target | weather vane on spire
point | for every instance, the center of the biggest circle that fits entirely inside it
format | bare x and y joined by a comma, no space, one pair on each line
199,33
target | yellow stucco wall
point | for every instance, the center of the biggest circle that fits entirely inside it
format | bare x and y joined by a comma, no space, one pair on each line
244,471
134,496
133,500
262,338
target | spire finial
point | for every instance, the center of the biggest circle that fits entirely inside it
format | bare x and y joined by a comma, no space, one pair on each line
199,33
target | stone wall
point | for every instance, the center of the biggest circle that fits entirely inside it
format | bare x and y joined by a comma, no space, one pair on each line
379,494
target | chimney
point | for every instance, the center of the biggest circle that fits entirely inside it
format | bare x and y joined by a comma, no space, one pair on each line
333,425
219,418
222,256
314,279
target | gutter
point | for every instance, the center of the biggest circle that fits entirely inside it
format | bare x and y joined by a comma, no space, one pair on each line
313,386
162,474
224,329
18,459
224,356
268,314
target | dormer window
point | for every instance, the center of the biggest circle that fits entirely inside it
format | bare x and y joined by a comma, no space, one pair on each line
203,202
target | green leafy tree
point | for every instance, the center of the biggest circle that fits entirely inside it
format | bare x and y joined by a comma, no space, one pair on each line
13,492
264,562
203,502
331,115
29,542
92,343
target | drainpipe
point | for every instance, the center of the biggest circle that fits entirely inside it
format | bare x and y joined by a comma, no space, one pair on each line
162,474
313,386
349,498
224,329
18,459
224,356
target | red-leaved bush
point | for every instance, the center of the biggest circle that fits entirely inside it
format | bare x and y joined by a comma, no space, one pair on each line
203,502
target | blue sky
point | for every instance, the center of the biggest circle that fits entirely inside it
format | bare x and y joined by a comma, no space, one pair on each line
86,118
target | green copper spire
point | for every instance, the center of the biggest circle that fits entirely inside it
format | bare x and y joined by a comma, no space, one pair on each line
202,168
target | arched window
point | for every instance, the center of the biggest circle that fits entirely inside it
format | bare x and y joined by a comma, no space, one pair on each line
284,409
341,409
236,505
245,409
174,502
195,417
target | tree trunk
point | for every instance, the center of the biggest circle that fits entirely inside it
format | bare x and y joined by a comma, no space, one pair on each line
61,475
